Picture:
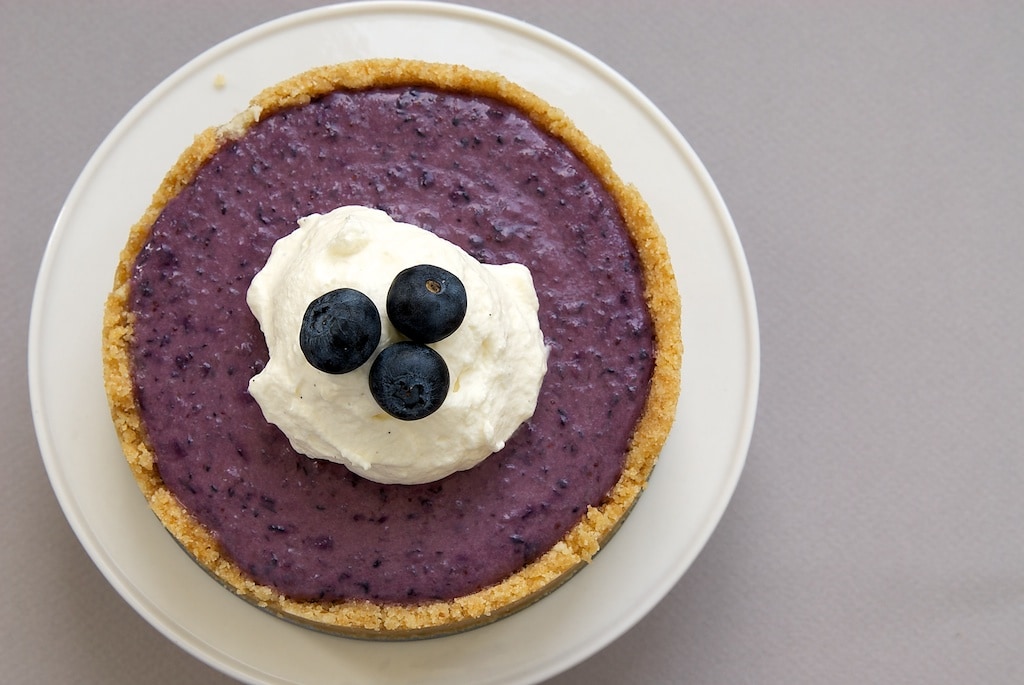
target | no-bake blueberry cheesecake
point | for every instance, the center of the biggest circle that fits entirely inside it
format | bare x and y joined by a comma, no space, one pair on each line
393,353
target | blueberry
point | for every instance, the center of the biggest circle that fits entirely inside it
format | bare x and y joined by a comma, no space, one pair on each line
340,330
409,380
426,303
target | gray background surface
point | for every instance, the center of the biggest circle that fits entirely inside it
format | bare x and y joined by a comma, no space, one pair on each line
872,156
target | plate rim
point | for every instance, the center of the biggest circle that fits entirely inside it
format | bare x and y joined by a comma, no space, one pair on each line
69,506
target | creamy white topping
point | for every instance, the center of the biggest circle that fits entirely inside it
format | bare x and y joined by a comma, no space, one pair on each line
496,358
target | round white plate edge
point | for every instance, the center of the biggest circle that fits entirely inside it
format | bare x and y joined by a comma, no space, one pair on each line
743,281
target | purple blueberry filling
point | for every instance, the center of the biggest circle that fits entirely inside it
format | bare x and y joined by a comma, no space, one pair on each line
477,173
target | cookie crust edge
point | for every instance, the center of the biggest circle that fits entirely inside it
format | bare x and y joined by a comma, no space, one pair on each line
360,618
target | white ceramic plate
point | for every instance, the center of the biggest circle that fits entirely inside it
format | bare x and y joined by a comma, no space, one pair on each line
691,485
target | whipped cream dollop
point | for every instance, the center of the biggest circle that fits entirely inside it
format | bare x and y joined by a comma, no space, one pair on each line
496,358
